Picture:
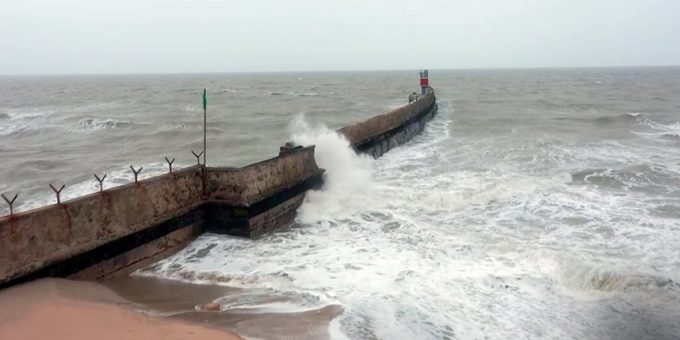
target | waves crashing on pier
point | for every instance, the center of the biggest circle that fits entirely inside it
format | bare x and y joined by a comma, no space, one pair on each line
348,175
537,204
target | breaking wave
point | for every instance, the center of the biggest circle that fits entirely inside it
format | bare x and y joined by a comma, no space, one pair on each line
93,124
166,127
592,282
296,94
669,132
348,175
634,176
627,118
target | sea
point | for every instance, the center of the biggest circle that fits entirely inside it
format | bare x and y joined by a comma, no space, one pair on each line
538,204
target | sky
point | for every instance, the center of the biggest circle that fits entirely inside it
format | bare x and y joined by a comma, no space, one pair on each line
192,36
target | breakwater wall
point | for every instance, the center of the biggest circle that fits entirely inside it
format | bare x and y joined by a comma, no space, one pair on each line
379,134
120,229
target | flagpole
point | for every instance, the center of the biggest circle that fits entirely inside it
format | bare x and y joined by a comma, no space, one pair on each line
205,127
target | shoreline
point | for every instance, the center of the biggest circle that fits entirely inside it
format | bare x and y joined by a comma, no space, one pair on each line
255,318
79,310
141,308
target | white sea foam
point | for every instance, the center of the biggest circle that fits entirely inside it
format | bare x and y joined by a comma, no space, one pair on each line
93,124
165,127
347,179
671,131
442,248
27,120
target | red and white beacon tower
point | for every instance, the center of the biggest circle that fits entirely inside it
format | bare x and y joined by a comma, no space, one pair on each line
424,82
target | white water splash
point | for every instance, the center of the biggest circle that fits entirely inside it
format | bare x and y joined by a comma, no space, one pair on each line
454,240
348,175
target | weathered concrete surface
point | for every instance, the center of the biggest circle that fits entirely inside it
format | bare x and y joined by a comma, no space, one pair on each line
143,255
33,240
261,217
101,233
246,186
96,235
400,135
275,218
375,129
261,197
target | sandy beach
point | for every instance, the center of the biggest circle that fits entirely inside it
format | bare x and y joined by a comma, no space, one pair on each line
178,300
64,309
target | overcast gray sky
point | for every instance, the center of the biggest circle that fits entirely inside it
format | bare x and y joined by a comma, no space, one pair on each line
151,36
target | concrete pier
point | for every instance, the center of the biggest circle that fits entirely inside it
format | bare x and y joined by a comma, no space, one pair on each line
123,228
379,134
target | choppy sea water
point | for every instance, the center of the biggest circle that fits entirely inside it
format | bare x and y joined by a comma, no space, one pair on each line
63,129
537,204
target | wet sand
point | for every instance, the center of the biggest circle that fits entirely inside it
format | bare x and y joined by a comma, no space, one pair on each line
178,301
75,310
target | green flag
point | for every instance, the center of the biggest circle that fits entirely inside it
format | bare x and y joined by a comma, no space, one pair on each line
205,99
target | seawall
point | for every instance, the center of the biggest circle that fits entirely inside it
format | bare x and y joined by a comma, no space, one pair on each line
381,133
123,228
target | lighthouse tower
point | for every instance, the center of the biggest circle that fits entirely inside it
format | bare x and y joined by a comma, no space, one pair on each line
424,82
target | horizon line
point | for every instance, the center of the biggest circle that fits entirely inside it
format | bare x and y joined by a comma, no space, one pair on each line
335,71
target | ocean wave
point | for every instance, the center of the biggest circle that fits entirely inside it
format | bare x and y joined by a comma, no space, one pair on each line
266,300
296,94
25,121
603,177
671,136
172,127
583,280
93,124
175,270
6,130
24,127
29,114
634,176
627,118
663,131
348,175
34,115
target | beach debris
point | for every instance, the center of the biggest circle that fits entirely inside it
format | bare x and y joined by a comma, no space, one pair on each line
210,306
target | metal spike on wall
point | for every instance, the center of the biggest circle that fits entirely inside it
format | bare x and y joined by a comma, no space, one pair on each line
170,163
58,192
198,156
10,202
101,182
136,172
